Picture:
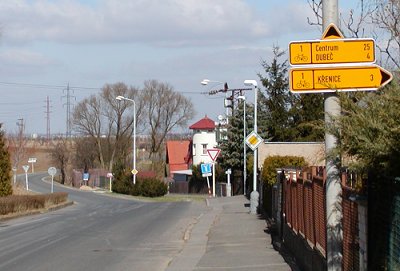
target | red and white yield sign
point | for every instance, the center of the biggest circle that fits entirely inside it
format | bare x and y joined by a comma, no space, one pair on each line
213,153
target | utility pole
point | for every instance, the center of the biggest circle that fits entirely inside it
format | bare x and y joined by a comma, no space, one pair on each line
235,93
334,234
68,106
48,118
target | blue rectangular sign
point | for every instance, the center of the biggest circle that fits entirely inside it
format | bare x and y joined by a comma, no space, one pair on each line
205,168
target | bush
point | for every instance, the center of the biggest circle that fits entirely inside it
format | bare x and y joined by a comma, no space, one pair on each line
271,163
123,184
23,203
149,187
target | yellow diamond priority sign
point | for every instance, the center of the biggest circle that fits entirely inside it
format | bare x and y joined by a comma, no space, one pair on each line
253,140
134,171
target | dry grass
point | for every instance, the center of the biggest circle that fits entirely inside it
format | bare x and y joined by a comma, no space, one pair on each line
26,203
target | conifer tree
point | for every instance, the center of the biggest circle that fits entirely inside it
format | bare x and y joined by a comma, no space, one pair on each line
5,168
275,100
284,116
232,145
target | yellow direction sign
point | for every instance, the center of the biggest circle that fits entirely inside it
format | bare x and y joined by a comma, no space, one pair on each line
342,78
333,51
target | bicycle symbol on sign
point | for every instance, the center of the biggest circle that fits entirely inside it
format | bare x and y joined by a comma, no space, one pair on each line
301,58
303,84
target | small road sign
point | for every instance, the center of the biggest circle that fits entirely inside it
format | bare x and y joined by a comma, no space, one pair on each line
253,140
334,51
26,168
134,171
52,171
342,78
205,168
213,153
32,160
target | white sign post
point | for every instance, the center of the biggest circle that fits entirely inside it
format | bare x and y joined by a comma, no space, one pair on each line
228,185
14,169
26,168
110,175
52,171
213,153
32,160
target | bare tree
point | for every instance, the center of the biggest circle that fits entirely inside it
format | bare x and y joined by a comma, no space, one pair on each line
164,110
377,18
18,144
108,121
386,16
60,154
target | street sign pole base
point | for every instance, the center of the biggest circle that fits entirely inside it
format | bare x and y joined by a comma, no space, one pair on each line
254,197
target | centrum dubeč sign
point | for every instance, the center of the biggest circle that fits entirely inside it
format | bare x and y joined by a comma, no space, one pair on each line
335,64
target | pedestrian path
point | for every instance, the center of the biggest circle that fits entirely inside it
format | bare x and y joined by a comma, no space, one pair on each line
237,240
228,237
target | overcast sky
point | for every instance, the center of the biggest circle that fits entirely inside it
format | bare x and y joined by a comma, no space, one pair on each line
46,44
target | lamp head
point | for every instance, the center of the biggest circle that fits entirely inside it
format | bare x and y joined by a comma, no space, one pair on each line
250,83
119,98
242,98
205,82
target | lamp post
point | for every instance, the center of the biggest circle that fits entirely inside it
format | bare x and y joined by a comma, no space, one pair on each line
254,196
134,171
205,82
244,143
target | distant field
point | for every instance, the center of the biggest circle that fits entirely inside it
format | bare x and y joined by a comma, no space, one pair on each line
35,150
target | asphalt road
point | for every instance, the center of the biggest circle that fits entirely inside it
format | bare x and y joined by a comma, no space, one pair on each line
98,232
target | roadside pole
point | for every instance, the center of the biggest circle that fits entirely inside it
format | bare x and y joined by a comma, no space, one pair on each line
26,168
334,234
213,173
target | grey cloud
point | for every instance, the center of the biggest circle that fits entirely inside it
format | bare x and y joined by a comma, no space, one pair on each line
159,22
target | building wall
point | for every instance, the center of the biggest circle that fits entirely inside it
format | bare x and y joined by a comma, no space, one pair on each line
200,138
313,152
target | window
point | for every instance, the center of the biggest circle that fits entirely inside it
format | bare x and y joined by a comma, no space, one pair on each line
204,148
194,149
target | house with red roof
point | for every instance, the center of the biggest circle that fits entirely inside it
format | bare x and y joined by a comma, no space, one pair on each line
179,156
204,137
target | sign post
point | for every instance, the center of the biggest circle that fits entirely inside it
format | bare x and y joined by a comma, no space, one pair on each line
14,169
213,153
110,175
228,184
32,160
206,172
52,171
327,66
26,168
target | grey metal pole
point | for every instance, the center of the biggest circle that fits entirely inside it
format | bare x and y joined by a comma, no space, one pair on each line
134,140
244,148
254,196
244,144
334,235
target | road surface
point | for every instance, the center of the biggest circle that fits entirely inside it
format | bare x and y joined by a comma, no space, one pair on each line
98,232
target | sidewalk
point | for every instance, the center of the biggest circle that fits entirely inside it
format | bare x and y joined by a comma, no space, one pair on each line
228,237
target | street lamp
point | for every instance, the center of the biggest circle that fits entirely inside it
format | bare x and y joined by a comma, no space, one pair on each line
134,171
244,143
254,196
